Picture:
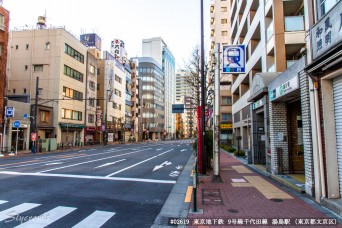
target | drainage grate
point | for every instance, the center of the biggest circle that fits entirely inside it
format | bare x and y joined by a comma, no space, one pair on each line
233,211
277,200
211,197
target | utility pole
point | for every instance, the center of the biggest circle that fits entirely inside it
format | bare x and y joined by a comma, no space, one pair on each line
216,137
35,127
4,127
202,94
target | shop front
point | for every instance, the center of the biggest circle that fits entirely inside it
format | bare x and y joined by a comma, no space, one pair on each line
325,72
72,134
260,137
286,128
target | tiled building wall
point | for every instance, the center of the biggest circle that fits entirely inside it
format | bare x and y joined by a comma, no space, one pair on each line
307,133
278,124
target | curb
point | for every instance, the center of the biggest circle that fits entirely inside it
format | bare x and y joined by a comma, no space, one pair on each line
174,206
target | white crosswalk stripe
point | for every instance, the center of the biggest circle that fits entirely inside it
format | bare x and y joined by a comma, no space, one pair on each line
13,211
96,219
47,218
3,201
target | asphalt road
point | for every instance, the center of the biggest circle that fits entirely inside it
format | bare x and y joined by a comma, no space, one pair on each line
111,186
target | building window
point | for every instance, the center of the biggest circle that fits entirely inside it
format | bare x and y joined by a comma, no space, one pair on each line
26,67
326,5
27,46
71,114
38,68
47,45
98,71
224,33
92,85
118,79
116,106
17,47
74,94
223,9
2,22
92,102
44,116
13,91
98,86
224,21
226,101
73,73
226,117
0,49
91,69
117,92
24,90
73,53
91,118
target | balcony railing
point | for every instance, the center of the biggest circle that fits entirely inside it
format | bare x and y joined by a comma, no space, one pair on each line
294,23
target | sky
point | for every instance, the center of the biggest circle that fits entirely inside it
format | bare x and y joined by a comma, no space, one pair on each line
176,21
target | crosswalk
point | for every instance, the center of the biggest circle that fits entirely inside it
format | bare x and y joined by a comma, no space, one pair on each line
12,216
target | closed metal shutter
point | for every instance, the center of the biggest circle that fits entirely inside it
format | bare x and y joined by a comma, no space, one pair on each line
337,85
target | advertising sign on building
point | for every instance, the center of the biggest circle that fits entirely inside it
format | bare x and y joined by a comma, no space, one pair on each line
327,32
234,59
284,88
98,118
91,40
117,48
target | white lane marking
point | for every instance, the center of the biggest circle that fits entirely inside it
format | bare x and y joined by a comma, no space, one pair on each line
90,177
14,211
179,167
47,218
64,159
82,150
107,164
54,163
183,150
159,149
112,174
81,163
3,201
161,165
174,174
96,219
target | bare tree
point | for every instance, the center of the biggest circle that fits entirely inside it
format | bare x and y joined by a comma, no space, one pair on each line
193,70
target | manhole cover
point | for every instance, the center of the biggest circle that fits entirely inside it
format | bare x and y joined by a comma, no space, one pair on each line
277,200
233,211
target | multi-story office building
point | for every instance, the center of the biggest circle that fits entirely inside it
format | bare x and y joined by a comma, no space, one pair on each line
4,25
111,91
157,49
152,98
136,113
93,42
185,94
58,59
220,28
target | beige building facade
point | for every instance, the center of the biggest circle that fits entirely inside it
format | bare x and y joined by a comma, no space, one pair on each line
57,58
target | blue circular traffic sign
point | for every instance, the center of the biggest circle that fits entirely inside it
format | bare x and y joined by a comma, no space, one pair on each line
16,124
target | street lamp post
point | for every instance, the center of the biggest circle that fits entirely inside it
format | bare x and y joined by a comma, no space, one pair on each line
105,133
202,94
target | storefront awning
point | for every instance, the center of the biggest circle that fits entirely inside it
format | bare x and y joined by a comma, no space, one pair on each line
71,125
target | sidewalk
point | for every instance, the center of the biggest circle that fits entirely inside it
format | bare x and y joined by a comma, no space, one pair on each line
246,198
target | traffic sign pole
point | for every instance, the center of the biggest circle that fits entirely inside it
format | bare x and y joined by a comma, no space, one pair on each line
16,142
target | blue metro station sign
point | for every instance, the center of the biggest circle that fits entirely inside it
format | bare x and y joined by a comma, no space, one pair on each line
234,59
